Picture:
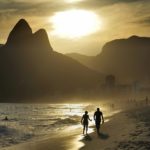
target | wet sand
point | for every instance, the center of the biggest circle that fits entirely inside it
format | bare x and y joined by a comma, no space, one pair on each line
129,130
61,142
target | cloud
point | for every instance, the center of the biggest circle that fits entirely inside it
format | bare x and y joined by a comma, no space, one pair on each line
94,4
46,7
31,8
143,21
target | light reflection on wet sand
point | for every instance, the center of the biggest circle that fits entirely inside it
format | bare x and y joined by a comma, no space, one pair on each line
77,143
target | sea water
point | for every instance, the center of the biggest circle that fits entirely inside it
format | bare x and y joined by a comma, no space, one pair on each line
28,121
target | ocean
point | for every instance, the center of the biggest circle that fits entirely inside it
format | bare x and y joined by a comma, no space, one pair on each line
29,121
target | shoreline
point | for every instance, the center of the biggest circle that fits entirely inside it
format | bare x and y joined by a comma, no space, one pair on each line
63,141
122,132
66,141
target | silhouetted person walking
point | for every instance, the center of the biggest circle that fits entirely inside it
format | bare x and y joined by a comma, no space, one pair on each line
98,117
85,122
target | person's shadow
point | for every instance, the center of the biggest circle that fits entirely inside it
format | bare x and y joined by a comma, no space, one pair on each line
103,136
87,138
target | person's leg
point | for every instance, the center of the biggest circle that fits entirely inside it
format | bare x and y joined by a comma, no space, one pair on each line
98,126
86,128
83,128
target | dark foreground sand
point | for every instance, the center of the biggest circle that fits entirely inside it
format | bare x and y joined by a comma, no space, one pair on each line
128,130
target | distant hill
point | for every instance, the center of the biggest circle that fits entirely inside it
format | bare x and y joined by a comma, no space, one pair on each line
128,59
31,68
83,59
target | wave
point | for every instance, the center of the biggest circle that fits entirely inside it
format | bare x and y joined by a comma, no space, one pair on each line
26,121
72,120
4,130
66,121
10,136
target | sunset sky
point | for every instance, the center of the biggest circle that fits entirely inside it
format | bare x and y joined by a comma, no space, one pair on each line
81,26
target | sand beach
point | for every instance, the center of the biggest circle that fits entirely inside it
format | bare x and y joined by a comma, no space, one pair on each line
129,129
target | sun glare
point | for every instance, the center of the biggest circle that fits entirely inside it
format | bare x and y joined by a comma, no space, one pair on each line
75,23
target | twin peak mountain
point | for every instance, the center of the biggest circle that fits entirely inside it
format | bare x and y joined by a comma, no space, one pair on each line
31,68
22,35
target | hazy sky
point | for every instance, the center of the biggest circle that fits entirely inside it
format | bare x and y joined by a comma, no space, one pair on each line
118,19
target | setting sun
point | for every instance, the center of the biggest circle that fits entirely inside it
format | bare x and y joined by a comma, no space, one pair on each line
75,23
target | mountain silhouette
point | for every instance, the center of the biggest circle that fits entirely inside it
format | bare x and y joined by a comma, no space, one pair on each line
127,59
31,68
20,32
87,61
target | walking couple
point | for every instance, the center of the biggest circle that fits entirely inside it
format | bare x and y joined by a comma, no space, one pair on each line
98,117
